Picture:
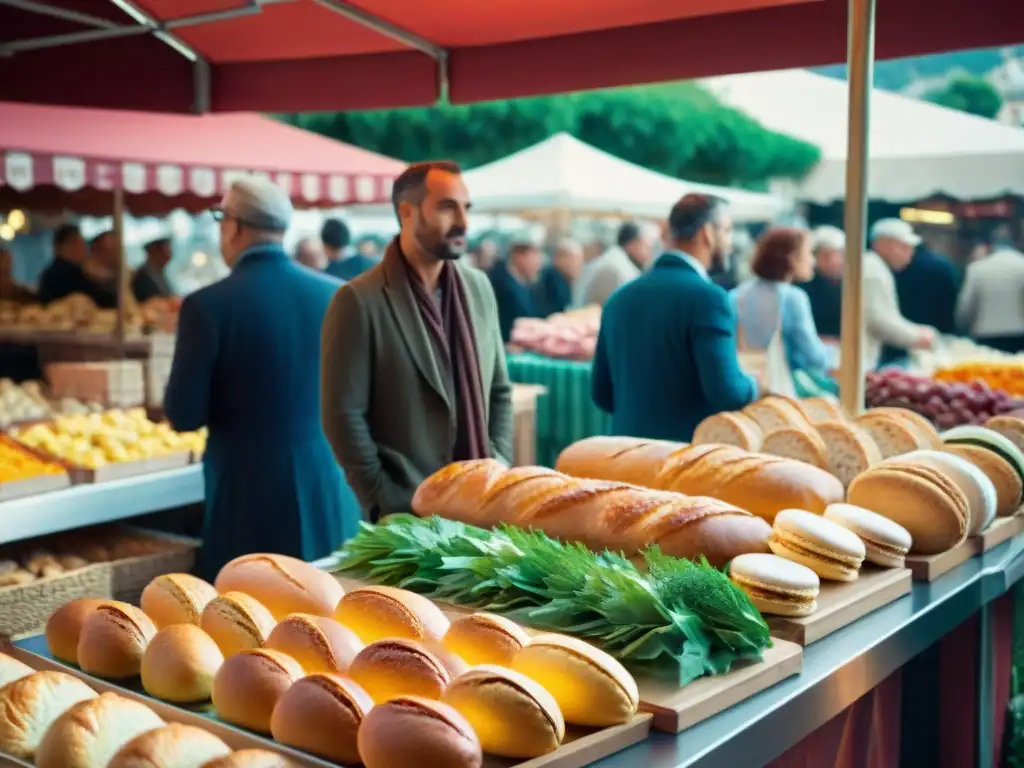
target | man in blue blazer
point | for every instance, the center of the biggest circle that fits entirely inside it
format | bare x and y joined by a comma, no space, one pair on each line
342,262
666,353
247,366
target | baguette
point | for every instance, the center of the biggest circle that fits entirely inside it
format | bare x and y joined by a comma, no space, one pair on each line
600,514
762,484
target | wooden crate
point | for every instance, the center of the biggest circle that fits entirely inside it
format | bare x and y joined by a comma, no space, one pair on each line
113,383
524,410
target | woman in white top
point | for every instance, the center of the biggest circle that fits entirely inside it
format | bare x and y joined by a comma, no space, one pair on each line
770,309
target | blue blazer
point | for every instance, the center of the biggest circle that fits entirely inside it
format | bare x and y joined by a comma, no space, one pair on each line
350,267
666,354
247,365
514,299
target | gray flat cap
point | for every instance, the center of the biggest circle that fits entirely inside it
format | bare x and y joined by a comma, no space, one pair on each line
260,203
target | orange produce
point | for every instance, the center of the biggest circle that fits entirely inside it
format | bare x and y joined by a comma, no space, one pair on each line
16,464
1007,375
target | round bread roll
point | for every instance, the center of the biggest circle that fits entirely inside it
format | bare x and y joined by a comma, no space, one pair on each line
250,758
283,584
113,641
317,643
390,668
590,687
91,732
249,684
484,638
236,622
176,598
12,669
433,735
64,628
1004,477
513,716
321,714
379,613
180,663
30,705
173,746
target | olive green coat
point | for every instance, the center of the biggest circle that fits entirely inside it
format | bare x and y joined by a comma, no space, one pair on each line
387,400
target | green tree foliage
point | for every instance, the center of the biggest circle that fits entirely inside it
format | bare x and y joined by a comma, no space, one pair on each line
681,130
969,94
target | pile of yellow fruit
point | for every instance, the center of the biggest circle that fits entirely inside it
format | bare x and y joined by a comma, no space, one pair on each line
18,464
1007,375
97,439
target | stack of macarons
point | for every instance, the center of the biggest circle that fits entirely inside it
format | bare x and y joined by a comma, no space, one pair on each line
775,585
282,650
886,543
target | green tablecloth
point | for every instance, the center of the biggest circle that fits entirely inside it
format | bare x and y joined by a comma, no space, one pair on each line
566,413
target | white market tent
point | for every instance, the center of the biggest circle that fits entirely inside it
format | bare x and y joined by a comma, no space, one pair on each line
917,149
563,173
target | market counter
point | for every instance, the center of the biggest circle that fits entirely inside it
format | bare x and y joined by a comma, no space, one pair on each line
841,668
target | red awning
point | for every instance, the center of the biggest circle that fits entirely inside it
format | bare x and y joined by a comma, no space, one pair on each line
55,157
295,55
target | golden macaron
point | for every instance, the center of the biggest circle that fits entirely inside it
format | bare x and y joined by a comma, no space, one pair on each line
176,598
113,640
484,638
389,668
236,622
590,687
180,663
317,643
827,548
321,714
776,585
513,716
377,613
248,686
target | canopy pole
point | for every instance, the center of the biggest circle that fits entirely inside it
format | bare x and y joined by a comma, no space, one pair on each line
860,66
122,273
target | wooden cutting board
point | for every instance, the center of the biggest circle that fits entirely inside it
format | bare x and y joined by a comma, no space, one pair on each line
842,603
1000,530
931,567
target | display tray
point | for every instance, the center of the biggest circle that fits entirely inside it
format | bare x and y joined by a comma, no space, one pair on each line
32,486
842,603
677,708
1001,529
581,747
122,470
931,567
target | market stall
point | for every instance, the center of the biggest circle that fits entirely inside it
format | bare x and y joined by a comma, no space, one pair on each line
516,51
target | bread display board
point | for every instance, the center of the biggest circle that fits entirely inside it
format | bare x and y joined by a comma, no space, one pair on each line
931,567
582,746
675,709
842,603
1001,529
33,486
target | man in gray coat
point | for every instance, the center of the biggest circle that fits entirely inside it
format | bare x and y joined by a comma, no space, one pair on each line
414,373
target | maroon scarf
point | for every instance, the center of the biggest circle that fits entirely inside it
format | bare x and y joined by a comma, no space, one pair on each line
452,328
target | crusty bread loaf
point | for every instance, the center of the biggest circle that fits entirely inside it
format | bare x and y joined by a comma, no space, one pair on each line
799,444
893,434
924,428
729,429
762,484
12,669
819,409
30,705
171,746
91,732
601,514
774,412
851,450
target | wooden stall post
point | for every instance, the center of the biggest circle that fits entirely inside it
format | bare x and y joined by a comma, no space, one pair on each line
861,54
122,269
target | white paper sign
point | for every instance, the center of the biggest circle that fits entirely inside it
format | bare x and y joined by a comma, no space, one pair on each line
202,181
310,184
69,173
19,171
366,189
170,180
337,189
133,177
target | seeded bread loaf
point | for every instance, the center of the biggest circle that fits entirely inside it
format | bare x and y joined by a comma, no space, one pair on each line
728,428
851,450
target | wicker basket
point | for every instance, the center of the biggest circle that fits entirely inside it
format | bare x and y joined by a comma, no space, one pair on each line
24,609
130,576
